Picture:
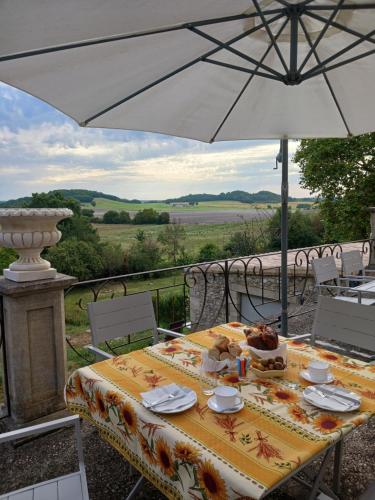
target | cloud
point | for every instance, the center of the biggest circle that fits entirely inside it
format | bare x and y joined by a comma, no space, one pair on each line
42,150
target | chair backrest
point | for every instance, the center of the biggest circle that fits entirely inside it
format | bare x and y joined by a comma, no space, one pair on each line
348,322
324,269
111,319
352,263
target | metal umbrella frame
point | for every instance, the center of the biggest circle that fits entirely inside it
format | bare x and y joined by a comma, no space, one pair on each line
290,33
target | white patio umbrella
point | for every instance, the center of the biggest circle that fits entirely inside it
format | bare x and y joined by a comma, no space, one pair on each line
211,70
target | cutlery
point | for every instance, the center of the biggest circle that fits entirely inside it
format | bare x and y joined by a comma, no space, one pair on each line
339,394
332,397
173,396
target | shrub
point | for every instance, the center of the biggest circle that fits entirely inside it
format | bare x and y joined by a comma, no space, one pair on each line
209,252
301,233
7,256
114,217
146,216
77,258
143,255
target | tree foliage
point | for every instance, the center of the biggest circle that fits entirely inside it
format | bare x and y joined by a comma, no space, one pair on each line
114,217
342,173
172,238
304,230
209,251
143,255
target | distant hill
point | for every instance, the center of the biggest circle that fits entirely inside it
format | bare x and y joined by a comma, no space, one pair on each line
86,196
241,196
81,195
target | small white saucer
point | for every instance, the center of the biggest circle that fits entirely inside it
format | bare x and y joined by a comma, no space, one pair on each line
307,376
213,406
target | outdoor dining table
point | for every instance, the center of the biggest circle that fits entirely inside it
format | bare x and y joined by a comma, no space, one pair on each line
200,454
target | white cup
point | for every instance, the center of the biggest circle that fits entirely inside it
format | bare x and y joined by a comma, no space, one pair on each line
225,396
318,370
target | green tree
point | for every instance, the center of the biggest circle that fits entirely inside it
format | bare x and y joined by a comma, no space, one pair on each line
143,255
250,240
87,212
111,217
53,200
146,216
113,259
301,230
124,217
77,258
163,218
78,227
209,252
342,173
7,256
172,238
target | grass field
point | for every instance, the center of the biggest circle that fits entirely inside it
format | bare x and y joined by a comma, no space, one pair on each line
203,206
197,235
207,206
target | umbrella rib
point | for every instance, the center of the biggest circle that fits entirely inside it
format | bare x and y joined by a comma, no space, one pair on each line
346,49
224,45
362,6
243,69
342,27
321,35
338,65
200,58
329,85
246,85
124,36
270,34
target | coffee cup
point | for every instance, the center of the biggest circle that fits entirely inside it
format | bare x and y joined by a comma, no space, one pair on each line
225,396
318,370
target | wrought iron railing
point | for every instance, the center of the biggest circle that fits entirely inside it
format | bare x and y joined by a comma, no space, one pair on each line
198,295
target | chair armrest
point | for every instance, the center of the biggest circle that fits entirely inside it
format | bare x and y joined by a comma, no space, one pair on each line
38,429
170,332
99,352
356,278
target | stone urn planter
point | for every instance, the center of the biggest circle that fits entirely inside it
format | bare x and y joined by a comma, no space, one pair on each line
28,231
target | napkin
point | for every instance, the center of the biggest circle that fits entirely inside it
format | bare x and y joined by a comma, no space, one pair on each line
181,396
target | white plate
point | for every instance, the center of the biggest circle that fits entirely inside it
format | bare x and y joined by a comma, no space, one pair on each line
307,376
332,398
213,406
192,399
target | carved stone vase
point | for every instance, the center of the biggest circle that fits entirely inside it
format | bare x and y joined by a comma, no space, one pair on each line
28,231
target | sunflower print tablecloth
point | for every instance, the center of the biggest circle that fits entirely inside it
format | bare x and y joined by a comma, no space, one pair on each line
202,455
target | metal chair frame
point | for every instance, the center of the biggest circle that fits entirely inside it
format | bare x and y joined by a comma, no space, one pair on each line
40,429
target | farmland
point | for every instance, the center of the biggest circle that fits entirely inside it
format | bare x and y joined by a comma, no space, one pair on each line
103,204
197,235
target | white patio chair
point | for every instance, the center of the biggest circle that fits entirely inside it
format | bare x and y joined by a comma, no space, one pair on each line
350,323
116,318
325,271
352,266
69,487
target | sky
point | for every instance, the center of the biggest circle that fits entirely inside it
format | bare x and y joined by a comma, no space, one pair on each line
42,149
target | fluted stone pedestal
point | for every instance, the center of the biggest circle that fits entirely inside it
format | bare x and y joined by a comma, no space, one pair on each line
34,325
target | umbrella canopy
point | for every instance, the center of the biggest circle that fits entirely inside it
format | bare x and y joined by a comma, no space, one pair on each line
210,70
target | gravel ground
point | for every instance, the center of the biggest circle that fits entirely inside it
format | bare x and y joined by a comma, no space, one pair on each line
109,477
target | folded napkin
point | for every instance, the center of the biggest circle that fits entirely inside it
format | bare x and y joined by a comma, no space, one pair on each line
181,396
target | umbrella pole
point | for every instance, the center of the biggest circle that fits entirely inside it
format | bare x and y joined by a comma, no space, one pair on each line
284,237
